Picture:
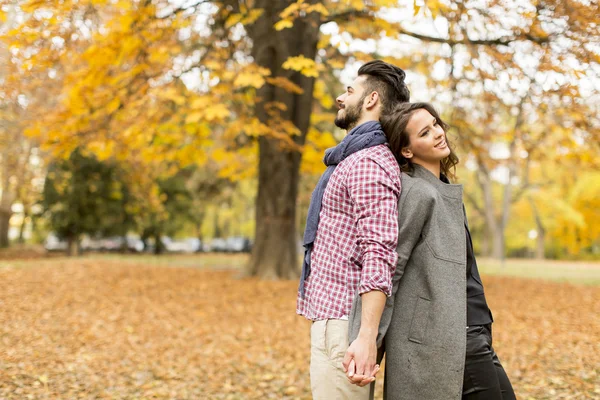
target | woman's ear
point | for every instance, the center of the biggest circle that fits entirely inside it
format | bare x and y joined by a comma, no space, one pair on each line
406,153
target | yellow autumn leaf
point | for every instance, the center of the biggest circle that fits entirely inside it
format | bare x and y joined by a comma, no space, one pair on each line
291,9
173,95
285,84
219,155
194,117
416,8
252,16
232,20
217,111
304,65
245,79
319,7
113,105
320,93
283,24
359,5
200,102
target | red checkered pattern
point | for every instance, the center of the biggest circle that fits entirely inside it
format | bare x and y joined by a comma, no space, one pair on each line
355,247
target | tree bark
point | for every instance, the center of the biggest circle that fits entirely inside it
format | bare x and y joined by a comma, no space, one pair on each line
73,246
7,198
274,252
494,234
4,226
507,201
159,247
540,247
23,225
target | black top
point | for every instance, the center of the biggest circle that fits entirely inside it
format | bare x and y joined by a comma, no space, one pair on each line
478,312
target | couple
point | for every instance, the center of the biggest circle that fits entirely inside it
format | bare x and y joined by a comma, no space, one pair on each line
389,263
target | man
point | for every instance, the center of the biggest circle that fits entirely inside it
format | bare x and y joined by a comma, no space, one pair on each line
351,237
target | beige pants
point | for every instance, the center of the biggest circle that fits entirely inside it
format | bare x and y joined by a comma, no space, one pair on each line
328,381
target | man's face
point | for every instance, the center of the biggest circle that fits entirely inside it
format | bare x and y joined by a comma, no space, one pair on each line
351,104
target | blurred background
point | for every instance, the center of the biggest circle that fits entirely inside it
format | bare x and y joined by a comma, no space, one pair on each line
197,126
199,121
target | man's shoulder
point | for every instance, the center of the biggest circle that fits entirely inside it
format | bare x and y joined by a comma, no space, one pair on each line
380,155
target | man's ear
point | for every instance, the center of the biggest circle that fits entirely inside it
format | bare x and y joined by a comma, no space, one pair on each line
406,153
371,100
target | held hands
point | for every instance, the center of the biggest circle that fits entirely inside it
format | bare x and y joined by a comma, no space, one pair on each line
360,361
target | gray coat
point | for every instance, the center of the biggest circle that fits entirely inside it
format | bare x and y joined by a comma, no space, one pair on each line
423,325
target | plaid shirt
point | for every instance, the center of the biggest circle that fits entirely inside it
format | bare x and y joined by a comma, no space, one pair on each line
355,247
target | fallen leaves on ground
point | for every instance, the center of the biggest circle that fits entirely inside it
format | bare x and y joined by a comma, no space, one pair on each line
89,329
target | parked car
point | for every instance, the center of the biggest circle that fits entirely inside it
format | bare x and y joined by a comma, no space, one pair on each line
91,244
218,245
188,245
238,245
113,244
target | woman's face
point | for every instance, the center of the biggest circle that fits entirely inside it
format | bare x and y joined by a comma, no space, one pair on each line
427,139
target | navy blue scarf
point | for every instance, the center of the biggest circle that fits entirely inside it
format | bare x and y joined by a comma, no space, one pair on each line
362,137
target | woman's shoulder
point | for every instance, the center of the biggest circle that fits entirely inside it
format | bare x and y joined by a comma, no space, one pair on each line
418,188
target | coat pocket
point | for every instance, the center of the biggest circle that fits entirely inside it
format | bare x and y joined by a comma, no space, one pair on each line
418,325
451,254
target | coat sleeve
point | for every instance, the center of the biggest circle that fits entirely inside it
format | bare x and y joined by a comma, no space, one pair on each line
414,210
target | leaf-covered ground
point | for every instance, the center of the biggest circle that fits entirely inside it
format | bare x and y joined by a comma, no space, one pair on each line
93,329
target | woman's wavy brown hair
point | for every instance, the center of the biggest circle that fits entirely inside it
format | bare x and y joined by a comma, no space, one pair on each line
394,126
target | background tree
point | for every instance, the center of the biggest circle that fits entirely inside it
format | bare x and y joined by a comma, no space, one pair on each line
84,196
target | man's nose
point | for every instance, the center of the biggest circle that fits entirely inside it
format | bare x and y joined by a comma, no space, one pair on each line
340,99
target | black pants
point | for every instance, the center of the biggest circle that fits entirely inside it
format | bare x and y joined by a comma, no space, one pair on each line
484,379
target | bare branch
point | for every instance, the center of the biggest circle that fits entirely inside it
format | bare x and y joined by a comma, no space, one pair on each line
473,203
346,16
502,41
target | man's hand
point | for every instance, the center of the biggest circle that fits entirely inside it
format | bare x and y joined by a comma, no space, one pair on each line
360,361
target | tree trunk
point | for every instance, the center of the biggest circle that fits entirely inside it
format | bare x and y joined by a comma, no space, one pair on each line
6,200
159,247
507,200
274,252
73,246
491,224
4,226
540,245
485,244
21,239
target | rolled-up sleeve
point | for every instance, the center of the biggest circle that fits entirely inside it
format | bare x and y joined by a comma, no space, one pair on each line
375,195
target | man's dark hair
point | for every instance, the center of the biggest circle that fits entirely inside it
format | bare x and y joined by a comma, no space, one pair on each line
387,80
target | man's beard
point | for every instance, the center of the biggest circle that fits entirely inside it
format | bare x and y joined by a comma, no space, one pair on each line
350,117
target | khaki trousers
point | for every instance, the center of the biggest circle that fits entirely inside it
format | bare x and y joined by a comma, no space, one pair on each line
328,381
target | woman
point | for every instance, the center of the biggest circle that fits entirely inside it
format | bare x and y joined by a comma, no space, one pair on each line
436,325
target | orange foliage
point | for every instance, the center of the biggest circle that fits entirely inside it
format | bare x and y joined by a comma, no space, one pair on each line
105,330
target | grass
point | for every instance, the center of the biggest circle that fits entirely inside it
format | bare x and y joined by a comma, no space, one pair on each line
577,272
